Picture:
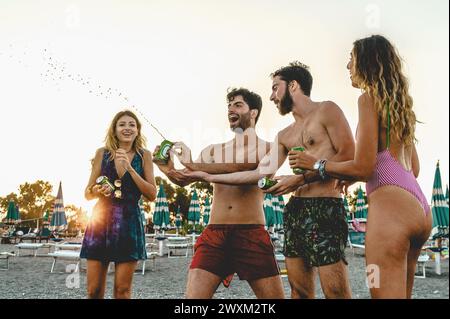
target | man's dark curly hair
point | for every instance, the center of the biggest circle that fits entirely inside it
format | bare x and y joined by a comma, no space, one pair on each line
251,98
296,71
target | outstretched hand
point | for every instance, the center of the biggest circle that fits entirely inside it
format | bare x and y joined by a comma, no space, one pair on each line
197,175
178,176
286,184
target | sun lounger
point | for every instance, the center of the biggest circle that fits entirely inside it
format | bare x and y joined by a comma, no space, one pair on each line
6,255
31,236
68,246
421,263
176,244
356,239
44,234
30,246
65,255
152,255
281,260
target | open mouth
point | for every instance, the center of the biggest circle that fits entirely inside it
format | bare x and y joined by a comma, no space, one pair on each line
233,118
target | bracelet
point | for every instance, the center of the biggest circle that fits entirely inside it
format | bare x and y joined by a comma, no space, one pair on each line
322,173
304,178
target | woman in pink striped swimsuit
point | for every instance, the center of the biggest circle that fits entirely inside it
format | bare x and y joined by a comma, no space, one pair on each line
399,219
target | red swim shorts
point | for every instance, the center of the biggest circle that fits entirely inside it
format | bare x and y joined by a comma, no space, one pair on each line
244,249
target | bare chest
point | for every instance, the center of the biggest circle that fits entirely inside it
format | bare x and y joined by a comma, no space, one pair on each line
310,135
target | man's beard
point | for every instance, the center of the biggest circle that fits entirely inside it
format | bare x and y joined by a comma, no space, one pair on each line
286,103
243,124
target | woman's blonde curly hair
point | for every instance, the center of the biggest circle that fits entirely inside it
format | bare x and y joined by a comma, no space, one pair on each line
377,69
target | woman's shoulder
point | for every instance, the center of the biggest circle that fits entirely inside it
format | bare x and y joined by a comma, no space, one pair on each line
101,151
365,98
145,152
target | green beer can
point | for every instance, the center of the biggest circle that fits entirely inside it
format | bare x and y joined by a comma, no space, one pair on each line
298,171
162,157
266,183
103,180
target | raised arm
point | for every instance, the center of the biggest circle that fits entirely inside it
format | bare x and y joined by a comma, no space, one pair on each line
211,160
363,164
268,166
174,175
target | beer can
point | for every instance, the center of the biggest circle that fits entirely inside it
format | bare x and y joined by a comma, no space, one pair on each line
163,155
266,183
298,171
103,180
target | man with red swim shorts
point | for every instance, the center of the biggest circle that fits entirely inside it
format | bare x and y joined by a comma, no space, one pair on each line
235,240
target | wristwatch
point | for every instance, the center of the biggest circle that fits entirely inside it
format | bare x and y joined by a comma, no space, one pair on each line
317,165
320,166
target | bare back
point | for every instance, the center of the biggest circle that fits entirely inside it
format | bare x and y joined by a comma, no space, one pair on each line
401,152
237,204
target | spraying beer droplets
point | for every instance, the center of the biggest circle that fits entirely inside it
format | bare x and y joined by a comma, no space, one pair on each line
57,71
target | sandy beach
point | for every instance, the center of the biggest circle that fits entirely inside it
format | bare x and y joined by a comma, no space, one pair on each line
30,278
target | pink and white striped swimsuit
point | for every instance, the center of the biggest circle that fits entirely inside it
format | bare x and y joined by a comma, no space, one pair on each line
390,172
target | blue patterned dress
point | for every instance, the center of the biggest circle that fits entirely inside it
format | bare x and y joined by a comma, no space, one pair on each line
115,231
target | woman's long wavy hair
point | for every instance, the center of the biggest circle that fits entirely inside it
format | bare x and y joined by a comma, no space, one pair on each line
377,69
112,142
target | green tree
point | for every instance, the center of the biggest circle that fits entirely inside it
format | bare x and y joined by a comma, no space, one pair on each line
35,199
168,188
71,211
182,200
203,189
76,219
4,202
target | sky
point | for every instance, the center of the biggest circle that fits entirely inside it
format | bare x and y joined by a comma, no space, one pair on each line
66,67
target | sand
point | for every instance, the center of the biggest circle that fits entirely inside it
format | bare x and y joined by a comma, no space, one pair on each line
30,278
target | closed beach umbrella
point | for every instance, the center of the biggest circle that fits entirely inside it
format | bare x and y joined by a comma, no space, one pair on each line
439,207
194,209
446,195
275,212
361,206
161,217
347,210
281,206
46,218
59,221
12,215
269,212
206,211
178,220
141,207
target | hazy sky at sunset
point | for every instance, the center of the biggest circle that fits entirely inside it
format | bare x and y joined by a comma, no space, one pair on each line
175,61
